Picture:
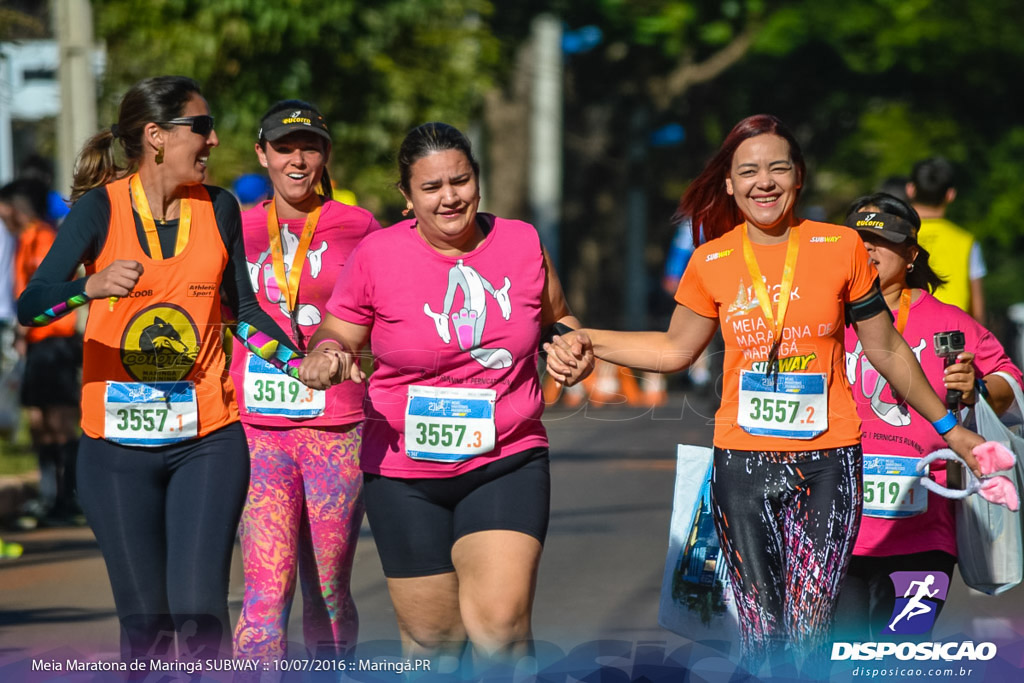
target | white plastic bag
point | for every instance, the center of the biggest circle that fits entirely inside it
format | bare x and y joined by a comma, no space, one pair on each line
989,542
696,595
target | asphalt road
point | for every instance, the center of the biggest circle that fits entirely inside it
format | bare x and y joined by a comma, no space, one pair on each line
595,617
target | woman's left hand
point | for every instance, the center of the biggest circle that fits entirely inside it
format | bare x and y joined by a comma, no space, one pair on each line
570,357
960,376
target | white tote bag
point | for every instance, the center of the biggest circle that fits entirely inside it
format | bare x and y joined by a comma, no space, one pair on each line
696,594
989,542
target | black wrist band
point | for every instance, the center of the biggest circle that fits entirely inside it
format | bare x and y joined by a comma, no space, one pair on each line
558,329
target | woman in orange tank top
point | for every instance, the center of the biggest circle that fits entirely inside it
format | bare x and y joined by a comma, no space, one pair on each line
163,464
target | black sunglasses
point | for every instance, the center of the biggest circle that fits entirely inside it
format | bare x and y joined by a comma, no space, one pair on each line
200,125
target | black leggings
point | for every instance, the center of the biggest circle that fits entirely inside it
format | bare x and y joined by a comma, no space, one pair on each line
787,524
868,595
165,519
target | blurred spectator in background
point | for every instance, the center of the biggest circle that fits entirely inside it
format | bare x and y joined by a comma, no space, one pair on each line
955,254
250,189
50,388
7,243
10,408
896,186
340,194
678,257
39,168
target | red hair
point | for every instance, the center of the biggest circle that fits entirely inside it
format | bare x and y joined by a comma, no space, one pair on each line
711,209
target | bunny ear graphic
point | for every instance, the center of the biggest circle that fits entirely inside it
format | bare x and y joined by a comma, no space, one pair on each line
1000,491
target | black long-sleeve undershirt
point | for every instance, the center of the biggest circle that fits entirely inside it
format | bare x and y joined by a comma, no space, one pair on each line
81,238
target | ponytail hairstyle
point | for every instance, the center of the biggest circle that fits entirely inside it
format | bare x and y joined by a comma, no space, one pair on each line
151,100
706,202
326,186
921,275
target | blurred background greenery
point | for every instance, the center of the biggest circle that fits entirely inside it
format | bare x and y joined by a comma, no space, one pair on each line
869,86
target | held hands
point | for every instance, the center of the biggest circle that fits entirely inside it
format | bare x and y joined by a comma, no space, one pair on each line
570,357
960,376
326,366
118,279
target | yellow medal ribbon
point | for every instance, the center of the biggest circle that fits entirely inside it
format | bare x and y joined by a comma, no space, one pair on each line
149,225
904,312
290,284
775,322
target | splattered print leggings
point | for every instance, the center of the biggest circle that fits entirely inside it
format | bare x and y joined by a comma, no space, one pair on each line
787,522
302,515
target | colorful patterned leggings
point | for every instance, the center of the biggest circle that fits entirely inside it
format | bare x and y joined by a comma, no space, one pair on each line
787,523
303,513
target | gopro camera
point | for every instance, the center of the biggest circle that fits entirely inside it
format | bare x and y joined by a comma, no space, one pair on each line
948,345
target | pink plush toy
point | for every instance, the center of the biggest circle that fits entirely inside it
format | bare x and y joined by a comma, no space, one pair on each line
992,457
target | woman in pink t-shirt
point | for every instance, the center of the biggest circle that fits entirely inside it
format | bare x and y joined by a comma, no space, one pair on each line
454,304
912,530
304,507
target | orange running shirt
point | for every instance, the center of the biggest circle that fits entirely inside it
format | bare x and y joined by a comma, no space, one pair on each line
832,268
169,329
33,244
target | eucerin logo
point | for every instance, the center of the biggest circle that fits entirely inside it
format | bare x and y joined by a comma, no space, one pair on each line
823,239
717,255
297,117
928,651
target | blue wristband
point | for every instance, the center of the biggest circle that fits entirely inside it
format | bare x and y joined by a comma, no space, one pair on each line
945,423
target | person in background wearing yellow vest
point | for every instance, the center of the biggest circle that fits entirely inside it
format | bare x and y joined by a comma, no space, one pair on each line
955,254
163,466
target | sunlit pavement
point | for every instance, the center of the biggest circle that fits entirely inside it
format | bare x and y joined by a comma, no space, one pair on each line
600,577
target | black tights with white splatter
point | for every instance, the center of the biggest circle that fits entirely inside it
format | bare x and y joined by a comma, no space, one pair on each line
787,522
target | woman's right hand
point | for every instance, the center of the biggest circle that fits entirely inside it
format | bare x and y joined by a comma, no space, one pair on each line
117,279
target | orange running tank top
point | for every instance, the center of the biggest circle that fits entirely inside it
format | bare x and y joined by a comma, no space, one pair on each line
33,244
154,370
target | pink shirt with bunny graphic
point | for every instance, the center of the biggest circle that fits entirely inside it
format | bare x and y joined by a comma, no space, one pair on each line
446,334
340,228
890,427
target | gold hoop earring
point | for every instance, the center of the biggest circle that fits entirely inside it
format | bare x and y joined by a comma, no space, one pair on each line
159,155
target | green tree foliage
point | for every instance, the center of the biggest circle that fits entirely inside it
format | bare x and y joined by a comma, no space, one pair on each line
375,69
18,25
923,77
869,86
